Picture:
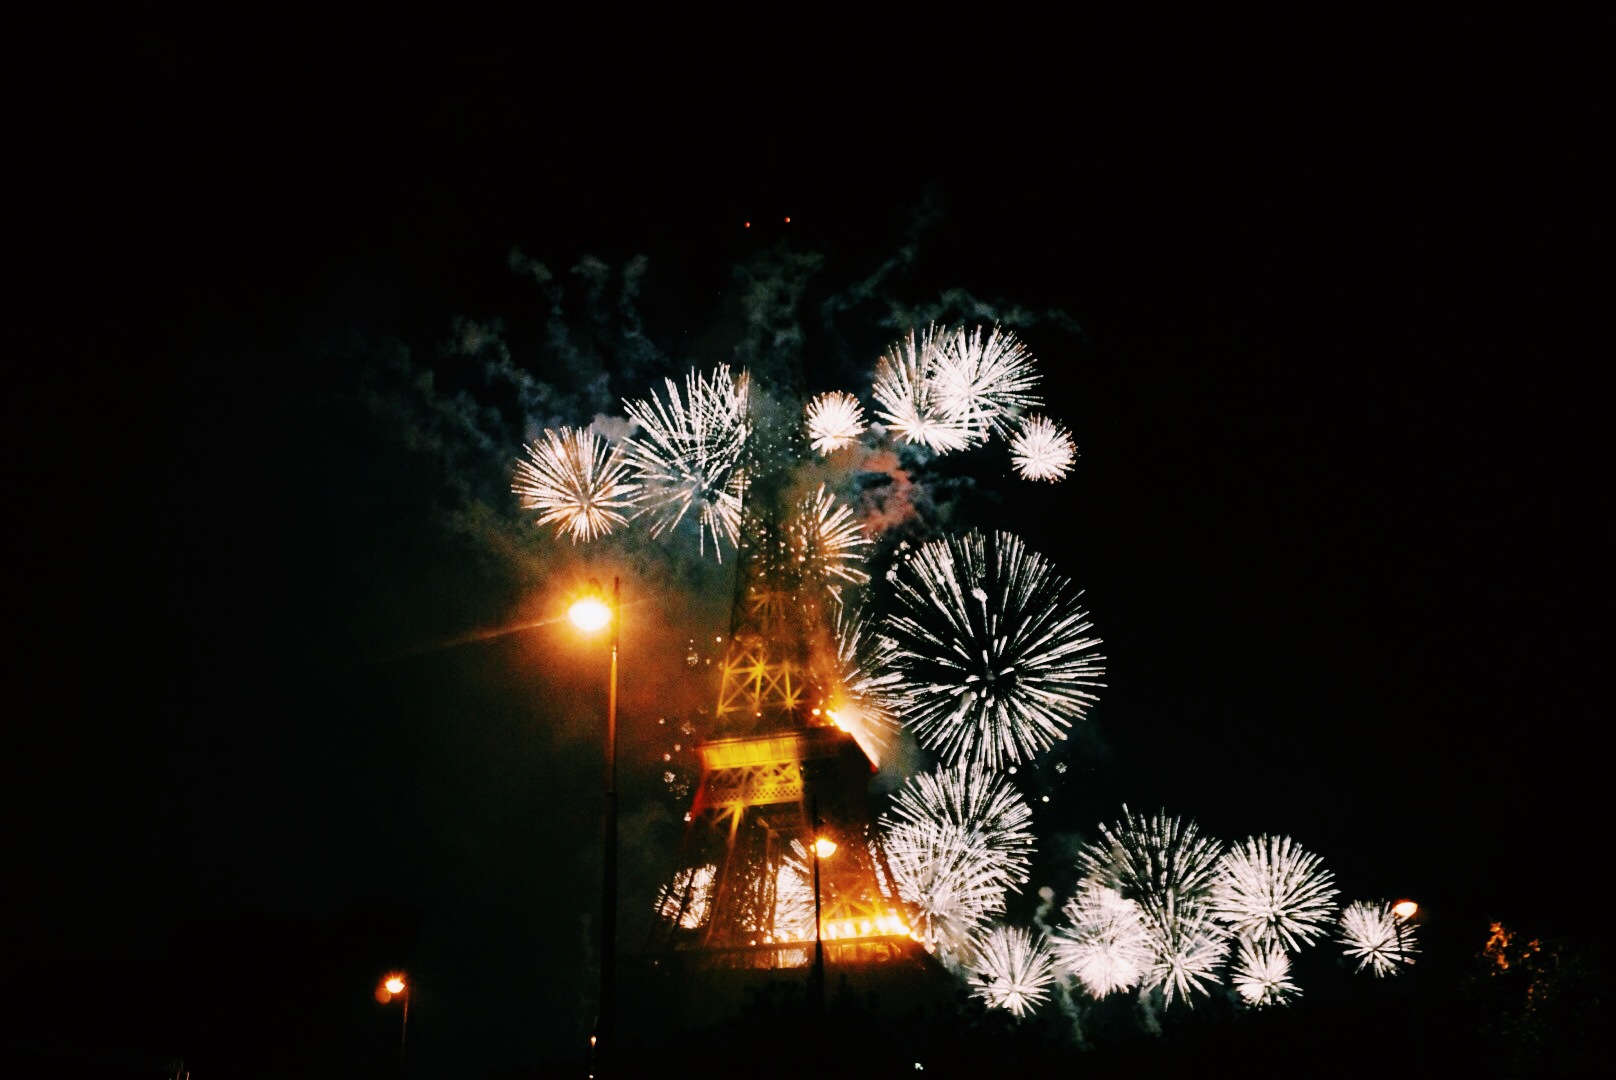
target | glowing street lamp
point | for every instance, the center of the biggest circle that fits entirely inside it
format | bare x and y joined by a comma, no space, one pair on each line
396,986
591,613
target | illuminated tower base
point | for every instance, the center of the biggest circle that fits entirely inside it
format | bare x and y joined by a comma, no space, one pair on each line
745,895
736,923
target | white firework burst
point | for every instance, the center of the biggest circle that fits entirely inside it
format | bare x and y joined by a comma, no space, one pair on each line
992,646
864,698
1104,945
688,897
835,420
907,396
1372,932
952,889
1167,868
1043,450
1270,891
690,453
969,806
579,482
1188,948
1262,974
794,896
827,540
1011,969
984,383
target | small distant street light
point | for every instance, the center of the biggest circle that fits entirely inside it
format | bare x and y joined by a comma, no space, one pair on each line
396,986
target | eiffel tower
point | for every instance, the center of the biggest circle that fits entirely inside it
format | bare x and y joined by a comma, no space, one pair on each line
758,907
783,776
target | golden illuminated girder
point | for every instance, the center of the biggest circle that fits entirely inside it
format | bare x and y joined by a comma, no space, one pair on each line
752,683
767,607
751,772
751,785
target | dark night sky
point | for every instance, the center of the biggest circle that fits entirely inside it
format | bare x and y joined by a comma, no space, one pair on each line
1339,511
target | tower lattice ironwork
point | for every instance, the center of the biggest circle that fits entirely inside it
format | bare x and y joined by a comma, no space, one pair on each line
781,775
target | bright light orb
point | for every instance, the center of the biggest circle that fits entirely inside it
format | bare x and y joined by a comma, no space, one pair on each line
394,984
589,614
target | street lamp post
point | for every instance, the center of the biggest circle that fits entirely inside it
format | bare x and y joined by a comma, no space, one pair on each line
824,847
589,614
399,986
1402,911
